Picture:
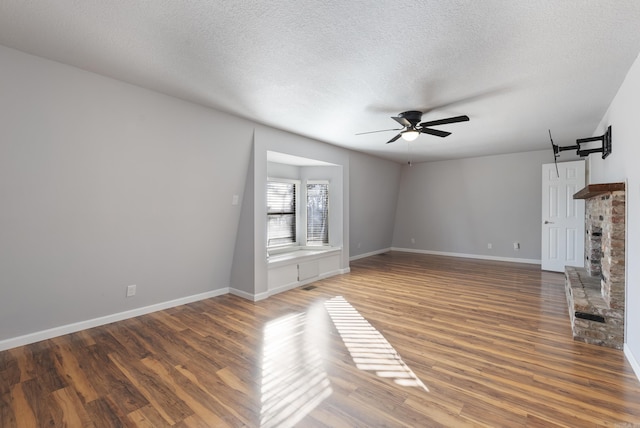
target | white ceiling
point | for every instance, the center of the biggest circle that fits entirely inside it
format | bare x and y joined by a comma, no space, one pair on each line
331,69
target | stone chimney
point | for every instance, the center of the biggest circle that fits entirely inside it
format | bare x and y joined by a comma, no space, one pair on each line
596,294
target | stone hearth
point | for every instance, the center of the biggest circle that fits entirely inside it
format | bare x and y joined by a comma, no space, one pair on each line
596,293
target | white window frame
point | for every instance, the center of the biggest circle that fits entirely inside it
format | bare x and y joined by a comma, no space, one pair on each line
328,211
301,216
298,186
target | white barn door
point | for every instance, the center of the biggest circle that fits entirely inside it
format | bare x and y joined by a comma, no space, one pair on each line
562,216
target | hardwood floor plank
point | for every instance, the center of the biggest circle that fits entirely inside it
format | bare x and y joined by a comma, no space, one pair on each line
18,411
9,373
7,410
170,322
194,397
73,413
491,341
105,413
68,366
124,334
148,417
156,390
227,376
440,415
46,410
489,415
229,415
107,380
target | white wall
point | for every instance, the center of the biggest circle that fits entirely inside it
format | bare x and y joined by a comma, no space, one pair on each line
622,165
104,184
459,206
373,200
279,170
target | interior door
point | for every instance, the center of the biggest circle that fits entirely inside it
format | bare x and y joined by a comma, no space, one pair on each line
562,216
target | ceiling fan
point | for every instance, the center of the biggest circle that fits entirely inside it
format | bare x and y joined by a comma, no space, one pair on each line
410,120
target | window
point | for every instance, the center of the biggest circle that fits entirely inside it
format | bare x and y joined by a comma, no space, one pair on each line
317,213
289,224
281,213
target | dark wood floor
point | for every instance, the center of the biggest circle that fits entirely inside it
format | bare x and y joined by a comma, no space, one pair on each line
403,340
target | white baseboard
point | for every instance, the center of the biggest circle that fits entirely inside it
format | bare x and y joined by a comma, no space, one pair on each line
369,254
469,256
287,287
37,336
95,322
632,360
248,296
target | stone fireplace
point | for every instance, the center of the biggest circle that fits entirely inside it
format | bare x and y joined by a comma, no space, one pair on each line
596,293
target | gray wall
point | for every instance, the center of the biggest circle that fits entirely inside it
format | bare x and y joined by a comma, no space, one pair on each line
243,268
373,199
105,184
620,166
460,206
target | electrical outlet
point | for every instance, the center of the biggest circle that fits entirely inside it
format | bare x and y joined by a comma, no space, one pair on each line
131,290
489,245
413,240
516,245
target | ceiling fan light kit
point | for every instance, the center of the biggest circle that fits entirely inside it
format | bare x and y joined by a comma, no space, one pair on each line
410,135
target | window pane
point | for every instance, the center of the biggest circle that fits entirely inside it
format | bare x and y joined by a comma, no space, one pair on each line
281,229
281,213
281,197
317,214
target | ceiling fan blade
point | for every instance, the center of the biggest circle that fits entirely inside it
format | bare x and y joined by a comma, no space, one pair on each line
455,119
402,121
382,130
435,132
394,138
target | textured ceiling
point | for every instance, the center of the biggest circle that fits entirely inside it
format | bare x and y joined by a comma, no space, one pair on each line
331,69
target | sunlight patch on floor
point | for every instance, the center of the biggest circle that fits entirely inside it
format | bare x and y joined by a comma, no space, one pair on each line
294,381
369,349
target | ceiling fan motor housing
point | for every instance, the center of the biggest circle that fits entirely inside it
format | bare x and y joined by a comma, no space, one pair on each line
413,116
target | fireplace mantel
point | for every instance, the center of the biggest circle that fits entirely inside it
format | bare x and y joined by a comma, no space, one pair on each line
593,190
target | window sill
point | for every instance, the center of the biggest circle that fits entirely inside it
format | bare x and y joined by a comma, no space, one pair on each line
299,253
